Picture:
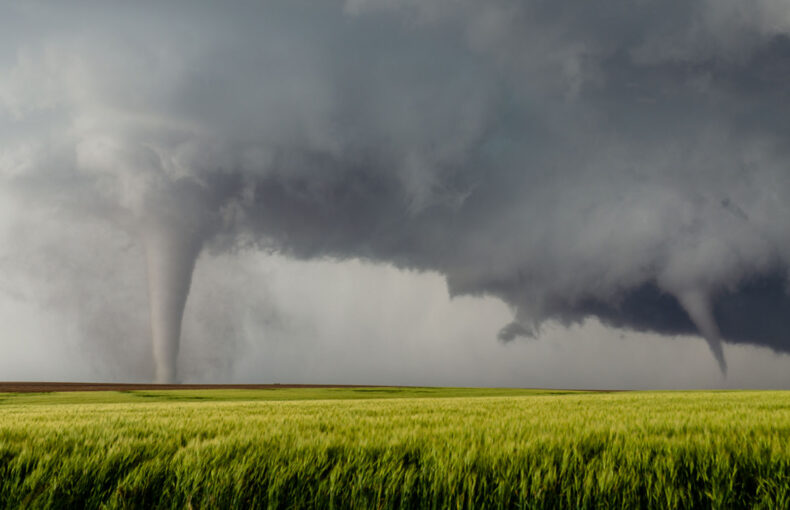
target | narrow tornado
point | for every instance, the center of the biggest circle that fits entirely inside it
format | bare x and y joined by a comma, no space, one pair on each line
698,307
171,254
173,234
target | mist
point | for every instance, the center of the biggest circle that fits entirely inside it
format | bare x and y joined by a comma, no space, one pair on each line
614,169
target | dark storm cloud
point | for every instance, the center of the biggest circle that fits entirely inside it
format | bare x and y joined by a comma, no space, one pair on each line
624,160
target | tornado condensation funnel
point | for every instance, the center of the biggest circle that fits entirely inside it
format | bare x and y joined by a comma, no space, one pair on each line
171,251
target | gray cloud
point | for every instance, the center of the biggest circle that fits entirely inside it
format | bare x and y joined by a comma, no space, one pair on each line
625,161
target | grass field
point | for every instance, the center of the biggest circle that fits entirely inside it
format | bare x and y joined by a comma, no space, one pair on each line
395,448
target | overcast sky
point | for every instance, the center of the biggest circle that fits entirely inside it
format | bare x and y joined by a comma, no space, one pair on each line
444,192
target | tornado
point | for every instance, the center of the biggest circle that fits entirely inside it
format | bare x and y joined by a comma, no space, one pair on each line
173,234
697,305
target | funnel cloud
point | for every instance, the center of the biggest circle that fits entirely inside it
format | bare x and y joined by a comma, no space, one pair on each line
173,232
625,163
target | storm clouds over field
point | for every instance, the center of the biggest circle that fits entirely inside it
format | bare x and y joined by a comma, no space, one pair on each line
597,184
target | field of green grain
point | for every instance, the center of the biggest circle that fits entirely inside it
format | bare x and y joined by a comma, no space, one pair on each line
395,448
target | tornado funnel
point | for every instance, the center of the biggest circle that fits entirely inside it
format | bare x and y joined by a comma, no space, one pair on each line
173,234
698,307
171,255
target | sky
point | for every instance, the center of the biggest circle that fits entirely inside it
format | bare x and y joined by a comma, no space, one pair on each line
443,192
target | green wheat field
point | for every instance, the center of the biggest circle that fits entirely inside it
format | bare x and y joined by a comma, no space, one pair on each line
395,448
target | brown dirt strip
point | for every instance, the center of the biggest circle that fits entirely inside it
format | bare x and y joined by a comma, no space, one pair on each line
47,387
43,387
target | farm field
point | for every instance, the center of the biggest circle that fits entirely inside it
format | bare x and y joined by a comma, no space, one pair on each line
394,448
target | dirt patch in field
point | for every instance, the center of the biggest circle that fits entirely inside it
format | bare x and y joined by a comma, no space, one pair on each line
42,387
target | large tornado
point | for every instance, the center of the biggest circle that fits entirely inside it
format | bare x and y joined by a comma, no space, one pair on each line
173,233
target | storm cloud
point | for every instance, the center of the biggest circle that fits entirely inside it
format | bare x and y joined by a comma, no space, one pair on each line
625,161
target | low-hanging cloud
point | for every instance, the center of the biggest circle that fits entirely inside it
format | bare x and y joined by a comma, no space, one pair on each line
625,161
